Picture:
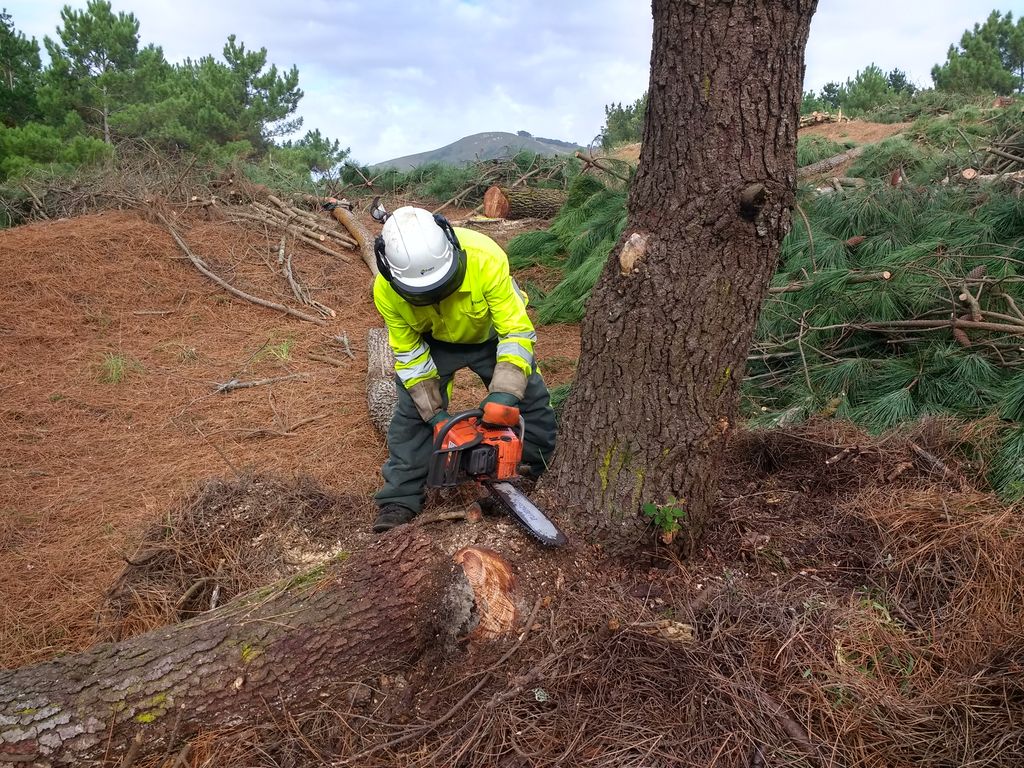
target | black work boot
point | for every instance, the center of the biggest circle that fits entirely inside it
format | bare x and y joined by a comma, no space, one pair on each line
391,516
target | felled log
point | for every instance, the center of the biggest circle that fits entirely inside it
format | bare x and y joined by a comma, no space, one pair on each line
291,648
525,203
823,166
360,234
971,175
381,395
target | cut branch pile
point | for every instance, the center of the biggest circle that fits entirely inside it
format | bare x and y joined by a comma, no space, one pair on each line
138,177
303,225
545,172
203,267
1006,153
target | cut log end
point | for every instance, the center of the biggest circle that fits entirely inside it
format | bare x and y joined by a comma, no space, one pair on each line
523,203
490,578
495,203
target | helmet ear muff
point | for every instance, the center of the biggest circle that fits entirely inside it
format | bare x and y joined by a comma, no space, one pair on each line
449,232
382,263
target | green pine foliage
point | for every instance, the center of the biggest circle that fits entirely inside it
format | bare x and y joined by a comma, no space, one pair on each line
904,108
829,340
33,145
811,149
989,58
892,154
579,240
532,248
827,349
101,86
20,65
623,124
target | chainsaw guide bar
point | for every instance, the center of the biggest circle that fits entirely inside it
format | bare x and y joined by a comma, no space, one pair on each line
527,514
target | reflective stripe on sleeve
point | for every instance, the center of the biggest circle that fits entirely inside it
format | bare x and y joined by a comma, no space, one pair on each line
409,373
517,350
408,357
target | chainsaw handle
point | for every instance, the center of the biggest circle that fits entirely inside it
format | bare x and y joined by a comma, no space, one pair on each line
474,413
447,426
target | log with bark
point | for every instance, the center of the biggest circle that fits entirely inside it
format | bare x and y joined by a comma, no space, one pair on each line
526,203
290,647
381,395
823,166
361,235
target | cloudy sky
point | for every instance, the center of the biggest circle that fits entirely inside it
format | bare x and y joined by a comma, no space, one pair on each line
390,78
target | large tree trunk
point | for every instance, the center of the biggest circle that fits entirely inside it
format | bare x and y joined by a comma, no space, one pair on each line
670,321
290,648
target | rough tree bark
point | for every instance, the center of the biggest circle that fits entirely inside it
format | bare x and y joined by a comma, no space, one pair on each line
670,321
381,392
289,649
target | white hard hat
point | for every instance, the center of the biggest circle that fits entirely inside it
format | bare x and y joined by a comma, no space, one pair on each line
422,257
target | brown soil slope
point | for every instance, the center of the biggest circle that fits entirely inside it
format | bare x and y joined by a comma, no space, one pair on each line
87,463
857,131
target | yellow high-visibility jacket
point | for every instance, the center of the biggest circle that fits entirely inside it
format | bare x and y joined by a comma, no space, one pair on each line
488,303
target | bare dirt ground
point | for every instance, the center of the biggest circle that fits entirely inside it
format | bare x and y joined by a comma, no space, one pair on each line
87,463
857,131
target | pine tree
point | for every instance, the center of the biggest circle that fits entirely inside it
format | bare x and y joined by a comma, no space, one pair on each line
238,100
898,82
989,59
91,64
869,88
19,74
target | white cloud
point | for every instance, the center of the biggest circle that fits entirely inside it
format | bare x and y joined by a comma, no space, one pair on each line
391,78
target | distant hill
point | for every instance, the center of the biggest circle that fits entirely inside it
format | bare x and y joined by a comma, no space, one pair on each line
481,146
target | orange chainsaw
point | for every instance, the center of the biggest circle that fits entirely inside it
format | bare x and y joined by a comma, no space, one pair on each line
467,449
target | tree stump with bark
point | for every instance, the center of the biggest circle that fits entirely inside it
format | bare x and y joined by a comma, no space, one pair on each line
291,646
525,203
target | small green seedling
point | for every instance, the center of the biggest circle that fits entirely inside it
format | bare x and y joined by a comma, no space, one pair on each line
115,368
281,351
667,517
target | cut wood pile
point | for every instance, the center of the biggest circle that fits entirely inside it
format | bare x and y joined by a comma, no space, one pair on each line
1002,160
291,221
816,118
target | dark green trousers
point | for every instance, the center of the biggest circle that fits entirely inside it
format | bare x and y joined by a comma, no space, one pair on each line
410,439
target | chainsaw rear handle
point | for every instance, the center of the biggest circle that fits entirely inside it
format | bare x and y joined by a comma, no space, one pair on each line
475,413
